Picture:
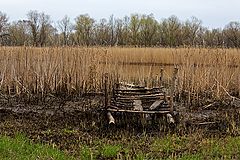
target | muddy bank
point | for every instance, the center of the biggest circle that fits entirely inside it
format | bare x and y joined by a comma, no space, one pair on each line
81,120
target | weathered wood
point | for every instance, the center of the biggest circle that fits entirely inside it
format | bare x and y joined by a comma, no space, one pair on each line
137,90
148,101
131,98
137,105
170,119
122,106
156,104
139,96
111,120
160,95
114,107
144,112
131,90
137,93
130,85
129,103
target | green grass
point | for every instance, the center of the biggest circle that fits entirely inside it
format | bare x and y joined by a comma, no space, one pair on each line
110,151
191,147
86,153
188,147
21,148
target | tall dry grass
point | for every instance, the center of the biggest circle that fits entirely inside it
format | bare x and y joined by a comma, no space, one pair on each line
204,73
211,73
50,70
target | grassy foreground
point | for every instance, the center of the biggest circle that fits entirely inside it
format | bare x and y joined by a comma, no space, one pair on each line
22,148
143,147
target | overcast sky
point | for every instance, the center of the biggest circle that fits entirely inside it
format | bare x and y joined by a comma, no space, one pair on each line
213,13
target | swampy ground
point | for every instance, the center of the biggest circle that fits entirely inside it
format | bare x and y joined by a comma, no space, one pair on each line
77,129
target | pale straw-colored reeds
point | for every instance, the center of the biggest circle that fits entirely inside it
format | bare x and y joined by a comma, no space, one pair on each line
212,73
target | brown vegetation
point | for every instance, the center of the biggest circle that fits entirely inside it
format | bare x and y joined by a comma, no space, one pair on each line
209,73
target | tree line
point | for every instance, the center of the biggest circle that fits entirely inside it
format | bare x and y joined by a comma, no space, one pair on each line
135,30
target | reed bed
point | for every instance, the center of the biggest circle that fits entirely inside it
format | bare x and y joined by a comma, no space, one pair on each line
203,72
50,70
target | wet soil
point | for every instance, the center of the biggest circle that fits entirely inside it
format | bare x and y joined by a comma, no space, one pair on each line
67,123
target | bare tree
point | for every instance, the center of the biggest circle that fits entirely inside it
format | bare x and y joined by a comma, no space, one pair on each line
148,29
66,28
4,35
119,31
19,33
3,22
170,30
45,28
111,24
190,30
33,21
232,34
136,29
40,25
134,26
101,32
84,29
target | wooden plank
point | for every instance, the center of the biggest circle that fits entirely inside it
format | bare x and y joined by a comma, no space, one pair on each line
132,90
137,90
138,93
111,120
130,85
156,104
154,97
170,119
131,108
141,96
129,99
130,103
133,86
137,105
132,111
122,105
148,102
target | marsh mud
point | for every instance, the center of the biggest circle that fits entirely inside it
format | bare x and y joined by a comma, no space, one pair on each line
67,123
